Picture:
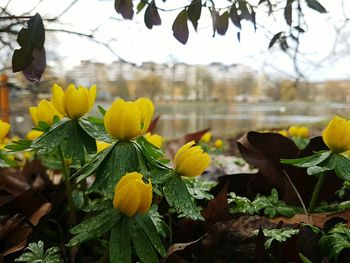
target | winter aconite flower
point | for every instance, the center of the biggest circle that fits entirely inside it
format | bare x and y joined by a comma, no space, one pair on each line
337,135
218,144
4,129
33,134
206,137
155,139
126,120
132,195
44,112
74,102
298,131
191,161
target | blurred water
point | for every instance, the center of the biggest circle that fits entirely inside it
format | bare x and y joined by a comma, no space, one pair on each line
179,118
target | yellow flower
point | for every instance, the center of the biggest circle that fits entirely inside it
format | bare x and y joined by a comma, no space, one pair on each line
337,135
191,161
132,195
102,145
206,137
218,143
283,133
44,112
75,102
33,134
298,131
4,129
155,139
127,120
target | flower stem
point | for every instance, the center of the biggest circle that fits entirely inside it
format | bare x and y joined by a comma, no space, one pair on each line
316,191
65,172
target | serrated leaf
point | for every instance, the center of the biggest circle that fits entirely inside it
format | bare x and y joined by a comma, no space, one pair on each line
36,254
145,223
51,139
199,189
342,167
280,235
89,168
317,170
314,4
177,195
95,130
308,161
123,159
125,8
88,141
235,18
194,11
20,145
180,27
222,23
119,243
142,245
94,226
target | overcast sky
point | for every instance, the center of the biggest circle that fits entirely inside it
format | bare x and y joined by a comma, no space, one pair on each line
135,43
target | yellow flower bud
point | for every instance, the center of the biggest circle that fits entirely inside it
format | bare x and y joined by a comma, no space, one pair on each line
132,195
283,133
337,135
4,129
155,139
75,102
127,120
218,143
33,134
206,137
44,112
191,161
298,131
102,145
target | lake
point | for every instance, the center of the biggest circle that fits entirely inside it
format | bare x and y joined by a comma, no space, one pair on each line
224,119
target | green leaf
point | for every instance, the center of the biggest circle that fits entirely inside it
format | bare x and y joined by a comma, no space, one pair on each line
280,235
177,195
142,245
43,126
88,141
304,259
95,130
123,159
140,6
239,204
180,27
102,110
145,223
308,161
89,168
153,155
34,252
94,226
119,243
314,4
199,189
194,11
334,241
300,142
74,147
47,142
20,145
342,167
317,170
222,24
162,228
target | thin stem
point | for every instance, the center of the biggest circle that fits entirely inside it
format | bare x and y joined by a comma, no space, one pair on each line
68,186
316,191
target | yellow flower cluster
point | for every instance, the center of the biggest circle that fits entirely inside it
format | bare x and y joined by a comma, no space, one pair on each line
132,195
4,129
44,112
191,161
